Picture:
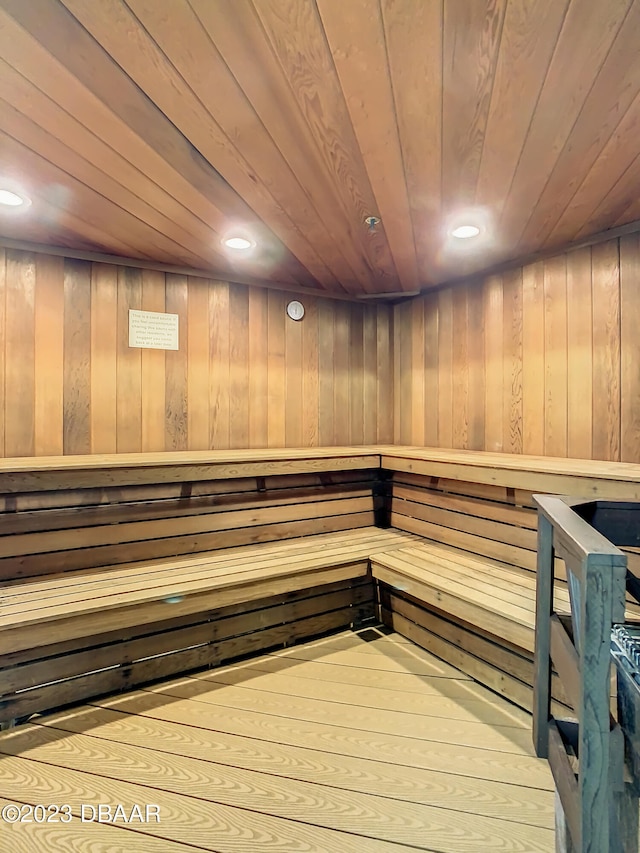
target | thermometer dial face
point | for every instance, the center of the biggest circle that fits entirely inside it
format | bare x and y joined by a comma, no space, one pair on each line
295,310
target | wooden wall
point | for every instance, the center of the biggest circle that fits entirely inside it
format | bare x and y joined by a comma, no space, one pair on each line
544,359
244,376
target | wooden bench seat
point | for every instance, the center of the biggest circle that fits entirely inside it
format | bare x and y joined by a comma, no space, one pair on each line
476,613
115,571
61,607
81,633
118,570
467,590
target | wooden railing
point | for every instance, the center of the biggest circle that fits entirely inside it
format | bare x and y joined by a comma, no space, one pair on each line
586,754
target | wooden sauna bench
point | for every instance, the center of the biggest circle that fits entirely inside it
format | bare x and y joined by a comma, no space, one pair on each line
118,570
466,590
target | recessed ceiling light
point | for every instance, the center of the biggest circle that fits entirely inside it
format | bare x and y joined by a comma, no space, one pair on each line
238,243
11,199
463,232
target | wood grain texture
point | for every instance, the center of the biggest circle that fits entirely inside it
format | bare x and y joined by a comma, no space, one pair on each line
536,360
293,121
630,364
245,375
494,362
414,51
77,357
153,368
128,366
104,350
555,356
356,38
49,356
3,311
580,354
606,351
19,402
347,777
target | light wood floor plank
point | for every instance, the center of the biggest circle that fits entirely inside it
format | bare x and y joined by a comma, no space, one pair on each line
190,819
359,742
174,779
79,837
433,728
519,768
374,697
367,776
463,690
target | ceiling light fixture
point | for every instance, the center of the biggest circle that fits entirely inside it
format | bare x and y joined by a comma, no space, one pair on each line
11,199
463,232
238,243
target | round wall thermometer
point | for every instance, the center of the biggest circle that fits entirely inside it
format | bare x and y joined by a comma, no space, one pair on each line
295,310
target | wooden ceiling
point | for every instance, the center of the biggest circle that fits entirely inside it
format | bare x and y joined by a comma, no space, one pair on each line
151,129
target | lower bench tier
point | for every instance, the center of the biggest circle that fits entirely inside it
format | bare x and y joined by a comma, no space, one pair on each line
77,670
485,656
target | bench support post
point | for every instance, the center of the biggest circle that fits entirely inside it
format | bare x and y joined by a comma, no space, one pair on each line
544,609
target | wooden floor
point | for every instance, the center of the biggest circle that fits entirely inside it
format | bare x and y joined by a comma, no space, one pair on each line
357,743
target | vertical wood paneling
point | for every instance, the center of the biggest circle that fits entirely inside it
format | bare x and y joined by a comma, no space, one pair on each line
555,356
416,407
3,329
431,384
400,322
370,359
341,389
49,356
19,355
311,378
512,367
176,366
219,364
258,399
77,357
238,367
445,368
276,369
540,359
153,369
475,360
403,347
460,367
385,374
580,355
198,365
493,362
244,374
326,379
128,366
629,357
529,355
356,375
605,284
104,350
293,382
533,360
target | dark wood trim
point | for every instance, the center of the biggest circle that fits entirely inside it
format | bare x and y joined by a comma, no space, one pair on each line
138,263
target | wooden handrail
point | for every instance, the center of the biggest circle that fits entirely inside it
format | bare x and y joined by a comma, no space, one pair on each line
580,651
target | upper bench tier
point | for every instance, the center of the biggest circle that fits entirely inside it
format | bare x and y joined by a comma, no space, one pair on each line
552,475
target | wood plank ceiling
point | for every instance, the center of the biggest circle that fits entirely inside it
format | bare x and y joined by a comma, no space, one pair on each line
152,129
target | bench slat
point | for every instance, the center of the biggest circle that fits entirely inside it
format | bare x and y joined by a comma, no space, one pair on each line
465,541
17,567
112,534
153,579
